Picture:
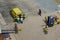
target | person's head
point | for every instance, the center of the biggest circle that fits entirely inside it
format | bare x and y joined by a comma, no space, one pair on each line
39,9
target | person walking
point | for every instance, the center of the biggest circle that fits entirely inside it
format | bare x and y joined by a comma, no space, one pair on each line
45,29
39,12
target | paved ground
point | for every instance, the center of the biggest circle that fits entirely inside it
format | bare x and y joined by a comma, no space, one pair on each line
32,30
27,6
32,26
6,5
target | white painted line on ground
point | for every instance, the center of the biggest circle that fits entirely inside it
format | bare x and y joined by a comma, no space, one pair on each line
2,20
13,37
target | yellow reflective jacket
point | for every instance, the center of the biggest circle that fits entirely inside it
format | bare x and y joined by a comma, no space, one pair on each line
46,29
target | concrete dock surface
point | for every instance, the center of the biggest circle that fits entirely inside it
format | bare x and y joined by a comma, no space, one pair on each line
32,28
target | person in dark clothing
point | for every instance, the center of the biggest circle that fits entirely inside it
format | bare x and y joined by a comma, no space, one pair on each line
39,12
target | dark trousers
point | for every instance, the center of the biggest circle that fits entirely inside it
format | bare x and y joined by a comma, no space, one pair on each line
39,12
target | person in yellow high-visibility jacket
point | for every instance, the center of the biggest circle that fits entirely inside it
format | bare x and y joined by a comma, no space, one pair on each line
58,20
45,30
23,16
17,19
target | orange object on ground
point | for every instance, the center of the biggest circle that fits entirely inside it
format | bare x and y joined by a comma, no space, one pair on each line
1,37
